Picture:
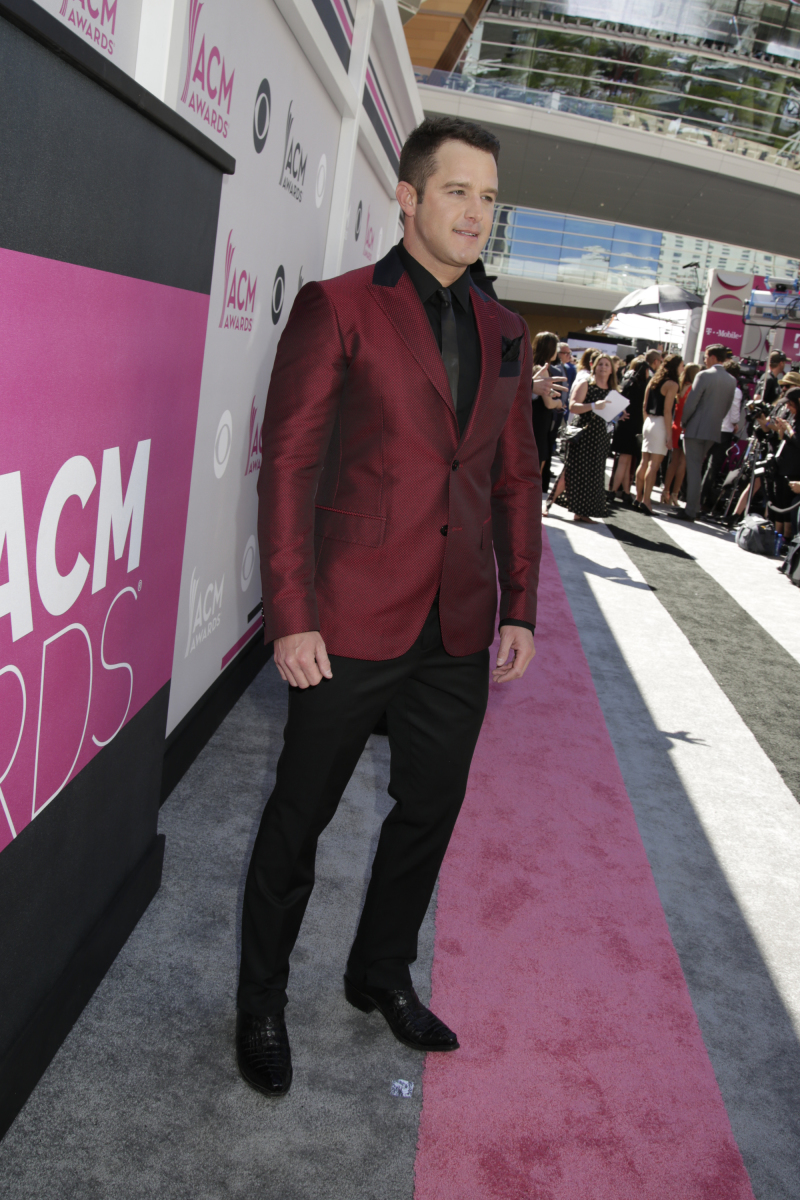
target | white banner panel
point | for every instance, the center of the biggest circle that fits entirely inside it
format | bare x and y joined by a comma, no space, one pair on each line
372,221
245,82
111,26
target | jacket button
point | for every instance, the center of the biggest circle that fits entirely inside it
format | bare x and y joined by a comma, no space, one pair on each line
443,531
456,464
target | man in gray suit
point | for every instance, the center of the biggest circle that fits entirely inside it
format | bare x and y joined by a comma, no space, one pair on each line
703,413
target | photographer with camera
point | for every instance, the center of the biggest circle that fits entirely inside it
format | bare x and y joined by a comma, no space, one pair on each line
764,434
788,462
768,393
703,413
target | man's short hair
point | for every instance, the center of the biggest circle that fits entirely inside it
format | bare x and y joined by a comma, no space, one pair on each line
651,356
563,346
776,358
418,156
720,353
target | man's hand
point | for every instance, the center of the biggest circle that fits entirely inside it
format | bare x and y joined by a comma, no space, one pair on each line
302,660
547,385
520,640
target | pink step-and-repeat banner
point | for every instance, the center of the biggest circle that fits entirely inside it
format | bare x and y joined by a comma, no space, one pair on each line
99,386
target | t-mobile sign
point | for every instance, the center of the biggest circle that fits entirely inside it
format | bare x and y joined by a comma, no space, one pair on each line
99,386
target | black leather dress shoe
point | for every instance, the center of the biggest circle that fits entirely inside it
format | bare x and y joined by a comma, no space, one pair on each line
409,1020
263,1053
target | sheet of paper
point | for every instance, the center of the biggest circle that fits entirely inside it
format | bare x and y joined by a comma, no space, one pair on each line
617,403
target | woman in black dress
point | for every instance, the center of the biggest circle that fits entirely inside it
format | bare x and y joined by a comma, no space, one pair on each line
627,436
585,469
545,352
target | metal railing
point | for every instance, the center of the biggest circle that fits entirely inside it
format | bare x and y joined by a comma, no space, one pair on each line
692,131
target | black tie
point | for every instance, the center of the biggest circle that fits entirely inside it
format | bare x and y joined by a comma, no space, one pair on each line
449,343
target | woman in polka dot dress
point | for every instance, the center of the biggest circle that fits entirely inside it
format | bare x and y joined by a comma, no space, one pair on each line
585,469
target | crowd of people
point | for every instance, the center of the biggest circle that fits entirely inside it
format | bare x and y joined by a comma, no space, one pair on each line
685,427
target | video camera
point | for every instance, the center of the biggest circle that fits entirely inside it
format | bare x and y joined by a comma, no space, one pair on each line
758,408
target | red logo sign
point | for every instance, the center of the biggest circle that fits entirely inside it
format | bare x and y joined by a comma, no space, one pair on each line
239,294
97,23
207,84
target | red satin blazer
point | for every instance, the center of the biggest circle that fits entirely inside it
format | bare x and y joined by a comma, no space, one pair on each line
369,500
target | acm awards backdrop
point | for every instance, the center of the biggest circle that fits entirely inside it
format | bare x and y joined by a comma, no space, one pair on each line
110,26
372,223
246,83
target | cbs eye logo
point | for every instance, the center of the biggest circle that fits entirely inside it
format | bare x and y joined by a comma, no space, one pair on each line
278,294
261,115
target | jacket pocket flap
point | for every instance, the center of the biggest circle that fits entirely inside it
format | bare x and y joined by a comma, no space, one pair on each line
510,368
342,526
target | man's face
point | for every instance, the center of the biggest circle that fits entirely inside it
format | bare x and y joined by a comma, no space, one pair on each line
454,218
709,360
565,356
656,363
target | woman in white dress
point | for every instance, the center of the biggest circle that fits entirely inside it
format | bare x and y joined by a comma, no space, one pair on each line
658,401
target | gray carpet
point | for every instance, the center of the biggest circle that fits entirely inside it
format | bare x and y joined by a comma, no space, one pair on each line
758,676
144,1100
748,1032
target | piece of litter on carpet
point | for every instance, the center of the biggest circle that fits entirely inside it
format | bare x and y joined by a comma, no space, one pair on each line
402,1087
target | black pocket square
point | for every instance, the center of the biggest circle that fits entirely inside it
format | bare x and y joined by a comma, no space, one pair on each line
511,349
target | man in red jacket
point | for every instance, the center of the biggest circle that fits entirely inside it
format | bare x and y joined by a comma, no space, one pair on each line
398,454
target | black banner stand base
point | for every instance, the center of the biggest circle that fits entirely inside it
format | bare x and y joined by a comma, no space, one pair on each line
32,1052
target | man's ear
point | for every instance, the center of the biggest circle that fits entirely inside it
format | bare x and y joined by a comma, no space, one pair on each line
407,197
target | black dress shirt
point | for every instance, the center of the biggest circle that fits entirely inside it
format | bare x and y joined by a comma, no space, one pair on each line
469,348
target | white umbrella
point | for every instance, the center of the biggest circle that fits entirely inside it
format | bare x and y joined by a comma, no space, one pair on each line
632,325
659,298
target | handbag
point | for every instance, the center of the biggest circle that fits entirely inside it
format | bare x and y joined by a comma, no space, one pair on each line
756,535
791,564
569,436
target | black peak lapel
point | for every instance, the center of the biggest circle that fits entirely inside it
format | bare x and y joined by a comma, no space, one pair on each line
402,305
486,318
388,270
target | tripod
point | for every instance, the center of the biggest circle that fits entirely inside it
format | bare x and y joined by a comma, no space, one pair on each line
750,468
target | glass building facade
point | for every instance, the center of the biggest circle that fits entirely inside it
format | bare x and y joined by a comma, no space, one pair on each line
723,73
555,248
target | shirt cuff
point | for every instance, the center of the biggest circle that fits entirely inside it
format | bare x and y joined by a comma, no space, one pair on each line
523,624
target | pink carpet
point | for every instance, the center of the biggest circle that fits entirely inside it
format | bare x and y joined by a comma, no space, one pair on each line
582,1073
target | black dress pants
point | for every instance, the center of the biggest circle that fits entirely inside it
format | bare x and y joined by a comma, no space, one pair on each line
713,469
542,417
435,704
